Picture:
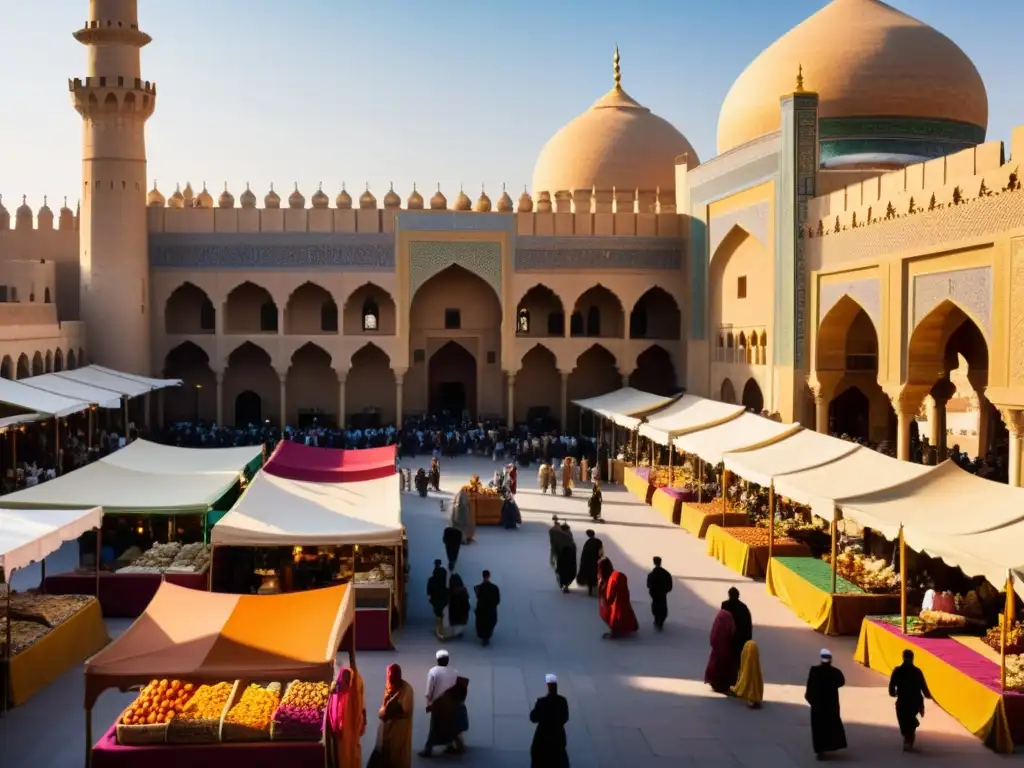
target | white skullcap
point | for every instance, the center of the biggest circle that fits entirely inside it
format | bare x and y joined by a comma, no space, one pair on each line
550,679
826,653
441,655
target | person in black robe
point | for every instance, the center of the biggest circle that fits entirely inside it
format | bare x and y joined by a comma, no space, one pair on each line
822,693
594,503
458,605
659,584
452,539
488,597
550,713
586,576
741,617
908,686
554,537
421,482
437,593
435,474
566,561
510,515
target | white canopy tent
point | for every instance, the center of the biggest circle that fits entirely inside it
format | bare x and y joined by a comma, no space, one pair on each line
95,377
687,414
152,383
56,384
29,535
156,458
16,421
967,521
747,431
799,452
623,405
28,398
275,511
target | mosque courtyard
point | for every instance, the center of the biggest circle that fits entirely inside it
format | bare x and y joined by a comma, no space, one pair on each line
637,702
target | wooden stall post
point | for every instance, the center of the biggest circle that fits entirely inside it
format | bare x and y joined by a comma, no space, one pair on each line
125,401
722,477
209,573
835,546
89,427
671,469
56,444
636,450
1008,619
903,582
771,520
99,552
611,456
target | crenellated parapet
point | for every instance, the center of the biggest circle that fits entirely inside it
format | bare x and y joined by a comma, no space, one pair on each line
43,220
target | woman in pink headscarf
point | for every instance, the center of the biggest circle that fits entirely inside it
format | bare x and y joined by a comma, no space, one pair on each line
346,716
393,748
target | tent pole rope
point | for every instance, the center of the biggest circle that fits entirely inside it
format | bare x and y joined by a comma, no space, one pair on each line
903,581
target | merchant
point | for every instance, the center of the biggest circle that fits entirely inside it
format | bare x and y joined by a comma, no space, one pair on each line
452,539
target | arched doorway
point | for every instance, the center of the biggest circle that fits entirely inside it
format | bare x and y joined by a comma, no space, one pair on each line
310,311
849,415
370,395
72,361
249,368
369,310
655,315
538,390
540,313
312,388
189,311
58,361
753,400
48,365
24,367
452,382
596,373
727,394
597,313
37,364
654,372
196,398
248,408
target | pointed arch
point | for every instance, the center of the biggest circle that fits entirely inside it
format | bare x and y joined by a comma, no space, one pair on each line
538,389
361,303
250,369
601,314
655,372
38,368
312,387
58,360
452,380
310,311
847,335
7,367
370,393
250,309
753,398
543,310
596,373
655,315
727,392
72,360
929,348
24,369
196,398
48,362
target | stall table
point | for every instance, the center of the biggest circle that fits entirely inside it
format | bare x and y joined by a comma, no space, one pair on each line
697,518
60,649
618,472
637,482
486,510
372,624
122,596
669,502
744,558
962,681
803,584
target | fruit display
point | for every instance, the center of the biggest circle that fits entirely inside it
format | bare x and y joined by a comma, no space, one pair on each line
193,558
478,488
172,556
23,634
659,476
871,574
711,508
943,619
758,537
251,715
1014,637
301,713
207,703
1015,672
159,702
49,610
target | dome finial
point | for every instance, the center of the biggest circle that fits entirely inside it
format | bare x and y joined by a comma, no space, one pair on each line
617,69
45,203
800,78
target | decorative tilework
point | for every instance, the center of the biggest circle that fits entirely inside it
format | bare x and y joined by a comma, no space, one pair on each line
753,218
1017,310
438,221
298,250
867,292
970,288
698,275
598,253
428,257
806,176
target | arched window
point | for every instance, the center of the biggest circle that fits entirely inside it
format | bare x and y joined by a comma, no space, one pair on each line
46,296
593,322
371,315
556,324
523,322
268,317
329,317
31,297
638,322
207,316
576,324
14,293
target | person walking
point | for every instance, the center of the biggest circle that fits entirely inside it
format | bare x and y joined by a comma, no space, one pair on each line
822,693
550,713
594,503
437,593
488,597
908,686
744,624
586,576
452,540
443,697
393,747
458,605
565,561
750,684
659,584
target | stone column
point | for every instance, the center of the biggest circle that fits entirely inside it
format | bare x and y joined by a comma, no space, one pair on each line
565,403
983,425
511,415
220,397
821,404
283,377
940,395
625,380
342,378
1014,420
903,420
399,380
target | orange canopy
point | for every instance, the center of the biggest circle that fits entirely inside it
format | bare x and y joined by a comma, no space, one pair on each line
207,637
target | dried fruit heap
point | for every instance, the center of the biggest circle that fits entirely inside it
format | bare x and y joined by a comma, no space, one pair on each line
1014,637
159,702
869,573
301,713
477,487
757,537
256,707
1015,673
207,703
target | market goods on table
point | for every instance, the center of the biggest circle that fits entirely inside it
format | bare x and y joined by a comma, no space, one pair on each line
145,720
50,610
251,712
23,634
199,720
300,716
476,487
1014,637
758,537
660,475
172,556
1015,672
943,619
192,558
869,573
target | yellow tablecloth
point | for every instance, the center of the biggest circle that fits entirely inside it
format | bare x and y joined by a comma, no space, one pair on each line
977,707
742,557
636,484
838,614
670,507
697,520
55,653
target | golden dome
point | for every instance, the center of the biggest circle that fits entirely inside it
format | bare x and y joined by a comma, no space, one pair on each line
295,199
864,59
44,217
525,202
415,202
177,199
226,199
188,194
320,199
247,198
155,198
505,201
462,202
617,143
344,199
204,199
391,199
367,200
67,217
23,216
438,202
272,200
483,203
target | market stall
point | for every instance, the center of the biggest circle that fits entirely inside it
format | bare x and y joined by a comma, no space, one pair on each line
226,680
145,456
310,534
744,549
297,461
43,635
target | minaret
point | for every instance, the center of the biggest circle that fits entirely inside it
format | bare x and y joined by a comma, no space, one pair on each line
114,103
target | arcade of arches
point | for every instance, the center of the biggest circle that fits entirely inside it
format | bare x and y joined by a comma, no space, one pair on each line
54,361
752,400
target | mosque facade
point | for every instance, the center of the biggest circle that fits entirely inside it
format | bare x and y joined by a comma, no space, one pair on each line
854,238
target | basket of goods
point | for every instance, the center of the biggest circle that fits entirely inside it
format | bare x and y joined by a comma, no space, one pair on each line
250,712
146,719
23,634
943,619
300,716
477,488
191,558
757,536
50,610
156,560
199,720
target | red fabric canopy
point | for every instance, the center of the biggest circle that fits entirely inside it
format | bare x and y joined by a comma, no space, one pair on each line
296,461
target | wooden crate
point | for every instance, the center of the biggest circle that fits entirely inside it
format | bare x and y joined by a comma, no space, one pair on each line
233,732
279,734
199,731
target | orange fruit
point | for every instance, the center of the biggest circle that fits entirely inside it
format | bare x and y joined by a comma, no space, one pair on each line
188,687
151,718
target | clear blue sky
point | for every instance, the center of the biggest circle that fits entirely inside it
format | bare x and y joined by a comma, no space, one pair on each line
451,91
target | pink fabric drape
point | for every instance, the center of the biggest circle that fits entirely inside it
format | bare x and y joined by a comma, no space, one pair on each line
296,461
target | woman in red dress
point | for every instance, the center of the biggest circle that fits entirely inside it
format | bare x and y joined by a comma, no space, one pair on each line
720,672
621,618
604,573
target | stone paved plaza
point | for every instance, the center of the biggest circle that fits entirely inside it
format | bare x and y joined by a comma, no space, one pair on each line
638,702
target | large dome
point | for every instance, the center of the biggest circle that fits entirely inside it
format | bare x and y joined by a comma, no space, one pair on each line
887,84
616,143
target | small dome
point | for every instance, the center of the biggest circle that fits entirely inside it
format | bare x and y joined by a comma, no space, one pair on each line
504,202
295,199
462,202
177,199
23,216
391,199
247,198
45,216
188,194
525,202
204,199
483,203
272,200
66,220
155,198
344,200
320,199
226,199
367,200
415,202
438,202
